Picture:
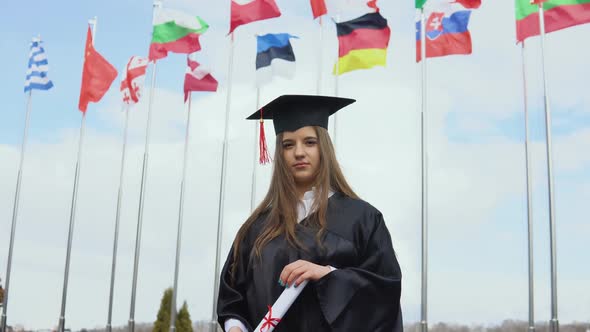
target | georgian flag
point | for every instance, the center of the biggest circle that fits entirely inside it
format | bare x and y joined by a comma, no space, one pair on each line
133,79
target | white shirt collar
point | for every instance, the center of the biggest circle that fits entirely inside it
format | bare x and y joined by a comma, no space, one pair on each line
305,205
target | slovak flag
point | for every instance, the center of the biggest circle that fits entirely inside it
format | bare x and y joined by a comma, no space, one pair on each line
446,28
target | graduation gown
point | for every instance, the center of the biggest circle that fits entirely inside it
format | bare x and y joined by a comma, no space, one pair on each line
362,294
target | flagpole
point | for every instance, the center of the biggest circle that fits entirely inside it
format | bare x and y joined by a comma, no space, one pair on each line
180,218
320,57
554,323
528,199
424,140
117,219
131,324
222,184
256,143
62,319
15,213
336,92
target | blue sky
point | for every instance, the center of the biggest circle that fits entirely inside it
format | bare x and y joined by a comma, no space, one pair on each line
476,189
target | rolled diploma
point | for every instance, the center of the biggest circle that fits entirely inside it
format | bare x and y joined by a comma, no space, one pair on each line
280,307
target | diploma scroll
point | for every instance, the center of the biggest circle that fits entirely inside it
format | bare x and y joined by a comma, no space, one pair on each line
279,308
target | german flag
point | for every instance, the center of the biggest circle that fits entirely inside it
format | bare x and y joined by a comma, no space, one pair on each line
362,43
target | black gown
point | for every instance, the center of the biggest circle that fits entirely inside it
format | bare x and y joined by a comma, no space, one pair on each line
363,294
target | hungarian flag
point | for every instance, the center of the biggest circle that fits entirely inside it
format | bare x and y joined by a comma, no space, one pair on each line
559,14
177,32
133,79
197,78
97,75
446,28
248,11
362,43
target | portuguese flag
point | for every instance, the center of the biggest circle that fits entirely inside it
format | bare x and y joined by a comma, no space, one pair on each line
177,32
559,14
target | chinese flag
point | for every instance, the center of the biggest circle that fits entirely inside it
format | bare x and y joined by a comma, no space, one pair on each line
97,75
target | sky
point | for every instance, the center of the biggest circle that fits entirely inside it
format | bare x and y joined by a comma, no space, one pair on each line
476,166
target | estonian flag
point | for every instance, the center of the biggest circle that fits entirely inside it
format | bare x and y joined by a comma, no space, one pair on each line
274,56
362,43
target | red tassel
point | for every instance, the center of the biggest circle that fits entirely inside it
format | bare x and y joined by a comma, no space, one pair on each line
264,156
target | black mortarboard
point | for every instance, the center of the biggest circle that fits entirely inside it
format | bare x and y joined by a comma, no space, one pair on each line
291,112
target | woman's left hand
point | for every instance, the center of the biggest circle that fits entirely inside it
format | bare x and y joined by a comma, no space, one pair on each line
299,271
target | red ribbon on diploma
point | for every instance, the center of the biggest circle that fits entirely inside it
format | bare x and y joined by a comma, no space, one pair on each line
269,321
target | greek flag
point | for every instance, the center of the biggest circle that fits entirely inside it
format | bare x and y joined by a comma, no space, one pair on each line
38,68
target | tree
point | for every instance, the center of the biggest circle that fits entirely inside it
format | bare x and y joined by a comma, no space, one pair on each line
183,318
162,323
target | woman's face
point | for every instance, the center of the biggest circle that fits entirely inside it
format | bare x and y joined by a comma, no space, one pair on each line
302,154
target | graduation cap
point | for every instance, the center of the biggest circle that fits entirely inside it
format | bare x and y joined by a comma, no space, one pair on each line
291,112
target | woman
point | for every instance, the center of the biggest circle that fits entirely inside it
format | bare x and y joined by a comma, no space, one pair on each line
311,226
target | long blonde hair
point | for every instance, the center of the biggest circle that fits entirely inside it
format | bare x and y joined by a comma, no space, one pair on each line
280,202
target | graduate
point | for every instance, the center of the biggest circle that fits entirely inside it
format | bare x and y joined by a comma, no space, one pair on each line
311,226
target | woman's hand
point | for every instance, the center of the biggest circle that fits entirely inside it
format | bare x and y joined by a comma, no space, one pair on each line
299,271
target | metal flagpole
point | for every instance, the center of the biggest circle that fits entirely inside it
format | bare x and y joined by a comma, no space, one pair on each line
180,217
131,323
320,57
554,323
336,92
15,213
117,218
222,184
529,196
62,319
424,312
256,143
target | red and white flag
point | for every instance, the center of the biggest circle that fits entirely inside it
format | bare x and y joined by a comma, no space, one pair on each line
343,10
133,79
248,11
198,78
318,8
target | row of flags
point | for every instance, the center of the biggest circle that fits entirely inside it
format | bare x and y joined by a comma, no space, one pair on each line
363,38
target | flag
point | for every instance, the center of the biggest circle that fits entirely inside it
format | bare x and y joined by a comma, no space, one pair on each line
362,43
248,11
197,78
559,14
38,68
318,8
446,28
274,56
97,75
175,31
133,79
346,10
420,3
